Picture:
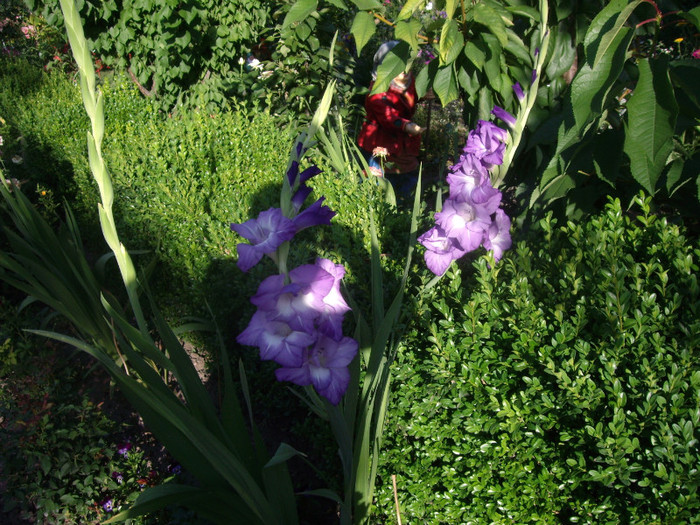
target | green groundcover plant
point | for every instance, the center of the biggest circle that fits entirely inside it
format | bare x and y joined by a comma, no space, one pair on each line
559,387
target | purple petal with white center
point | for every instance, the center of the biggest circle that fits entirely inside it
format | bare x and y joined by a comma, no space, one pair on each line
440,250
314,215
325,367
280,343
266,234
497,237
268,291
502,114
463,222
487,143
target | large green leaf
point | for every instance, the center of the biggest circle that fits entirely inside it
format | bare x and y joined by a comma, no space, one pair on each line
362,29
486,15
652,111
608,39
299,11
367,4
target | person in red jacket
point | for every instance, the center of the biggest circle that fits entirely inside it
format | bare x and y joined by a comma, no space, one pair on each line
388,124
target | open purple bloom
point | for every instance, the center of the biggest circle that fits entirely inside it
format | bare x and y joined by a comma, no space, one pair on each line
487,143
463,222
325,366
266,234
466,175
504,116
315,215
497,237
108,505
440,250
276,339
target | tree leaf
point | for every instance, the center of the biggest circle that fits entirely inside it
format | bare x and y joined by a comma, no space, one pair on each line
609,37
367,4
408,32
451,42
362,29
409,8
652,111
299,11
393,64
445,85
492,19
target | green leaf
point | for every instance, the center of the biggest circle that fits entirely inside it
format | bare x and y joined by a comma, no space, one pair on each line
367,4
590,87
692,16
393,64
451,43
362,29
609,37
408,32
474,52
445,85
652,111
284,452
450,6
409,8
299,11
340,4
490,18
526,11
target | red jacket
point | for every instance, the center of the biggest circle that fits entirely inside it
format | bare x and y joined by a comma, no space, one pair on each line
387,116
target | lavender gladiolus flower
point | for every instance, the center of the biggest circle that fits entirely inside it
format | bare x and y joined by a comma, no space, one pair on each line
504,116
314,215
487,143
440,250
299,326
470,216
497,237
325,366
266,234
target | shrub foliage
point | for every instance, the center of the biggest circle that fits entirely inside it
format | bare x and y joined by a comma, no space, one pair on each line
560,386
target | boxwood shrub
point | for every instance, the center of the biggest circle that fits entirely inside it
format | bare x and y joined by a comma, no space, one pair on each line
561,385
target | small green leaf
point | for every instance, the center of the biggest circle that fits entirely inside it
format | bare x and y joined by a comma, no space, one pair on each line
445,85
490,18
451,43
408,32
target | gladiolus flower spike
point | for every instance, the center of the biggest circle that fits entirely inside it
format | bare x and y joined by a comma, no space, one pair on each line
471,216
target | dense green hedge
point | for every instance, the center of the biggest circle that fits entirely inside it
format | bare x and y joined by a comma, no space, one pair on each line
561,386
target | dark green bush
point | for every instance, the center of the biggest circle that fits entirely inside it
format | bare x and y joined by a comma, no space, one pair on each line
560,386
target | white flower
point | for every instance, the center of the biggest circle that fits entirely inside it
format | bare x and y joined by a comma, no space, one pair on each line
17,159
2,141
428,6
241,61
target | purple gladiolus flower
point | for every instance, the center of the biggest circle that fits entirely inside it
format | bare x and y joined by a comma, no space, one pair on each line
325,366
487,143
466,175
463,222
276,339
266,234
497,237
440,250
314,215
518,91
533,77
504,116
